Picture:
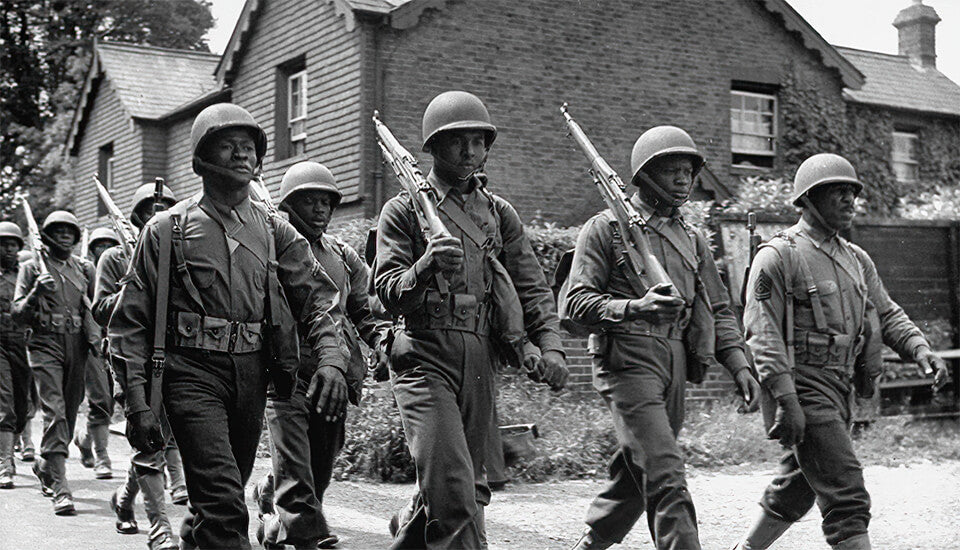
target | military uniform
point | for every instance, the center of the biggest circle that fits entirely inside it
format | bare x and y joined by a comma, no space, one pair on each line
110,270
216,374
16,378
60,340
305,444
831,282
443,359
640,369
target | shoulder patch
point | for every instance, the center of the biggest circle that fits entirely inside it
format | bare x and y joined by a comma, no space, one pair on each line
761,289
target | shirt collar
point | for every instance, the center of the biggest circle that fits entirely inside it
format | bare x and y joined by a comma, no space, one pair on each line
645,210
243,210
443,188
816,233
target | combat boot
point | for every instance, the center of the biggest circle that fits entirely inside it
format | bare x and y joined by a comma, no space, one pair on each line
122,501
161,533
86,450
27,452
765,531
100,435
178,486
7,467
592,541
56,469
39,470
858,542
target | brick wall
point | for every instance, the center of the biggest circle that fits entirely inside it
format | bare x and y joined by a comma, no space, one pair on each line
623,66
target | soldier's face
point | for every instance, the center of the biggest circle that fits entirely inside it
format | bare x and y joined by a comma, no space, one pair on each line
835,202
63,235
8,250
97,249
460,151
314,207
233,149
674,174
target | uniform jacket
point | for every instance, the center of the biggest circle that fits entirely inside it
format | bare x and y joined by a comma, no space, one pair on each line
226,251
599,290
8,284
400,243
74,279
110,269
845,278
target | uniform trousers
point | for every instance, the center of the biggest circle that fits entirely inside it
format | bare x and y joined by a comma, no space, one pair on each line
642,379
16,383
99,388
823,468
305,447
443,383
58,362
214,402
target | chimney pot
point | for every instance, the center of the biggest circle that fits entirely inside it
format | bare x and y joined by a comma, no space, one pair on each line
916,26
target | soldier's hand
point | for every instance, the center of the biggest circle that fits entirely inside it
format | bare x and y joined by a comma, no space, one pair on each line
328,393
554,367
932,364
381,366
143,432
659,305
44,284
749,390
444,254
532,364
789,422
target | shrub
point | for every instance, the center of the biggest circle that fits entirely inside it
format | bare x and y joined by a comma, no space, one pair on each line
756,194
374,446
940,204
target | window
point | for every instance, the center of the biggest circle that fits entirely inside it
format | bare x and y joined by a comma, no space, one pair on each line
753,128
904,156
105,169
291,108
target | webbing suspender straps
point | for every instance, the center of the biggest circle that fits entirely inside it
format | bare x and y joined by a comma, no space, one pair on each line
160,310
815,303
185,278
442,285
272,265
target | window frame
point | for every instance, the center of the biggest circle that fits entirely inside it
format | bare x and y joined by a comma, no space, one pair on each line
773,137
301,137
911,161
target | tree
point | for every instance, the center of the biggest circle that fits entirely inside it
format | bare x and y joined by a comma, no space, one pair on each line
45,50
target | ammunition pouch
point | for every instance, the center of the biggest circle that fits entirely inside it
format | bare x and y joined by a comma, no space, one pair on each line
196,331
58,323
462,312
817,349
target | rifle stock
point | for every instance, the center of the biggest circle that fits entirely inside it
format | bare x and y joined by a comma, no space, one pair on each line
33,234
122,225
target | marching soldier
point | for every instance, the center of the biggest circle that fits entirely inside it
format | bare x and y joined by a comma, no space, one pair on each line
443,358
238,279
641,344
99,386
146,469
823,291
55,306
305,442
16,379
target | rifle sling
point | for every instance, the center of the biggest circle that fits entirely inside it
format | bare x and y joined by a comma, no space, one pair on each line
166,228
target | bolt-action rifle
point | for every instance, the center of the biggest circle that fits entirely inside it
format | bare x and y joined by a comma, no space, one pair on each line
158,195
644,269
754,244
121,224
263,195
34,242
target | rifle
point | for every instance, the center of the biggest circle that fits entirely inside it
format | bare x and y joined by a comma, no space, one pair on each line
121,224
34,242
261,194
507,313
644,271
84,243
755,240
638,251
158,195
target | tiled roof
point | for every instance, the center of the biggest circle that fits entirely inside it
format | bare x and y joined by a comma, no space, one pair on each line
153,81
378,6
892,81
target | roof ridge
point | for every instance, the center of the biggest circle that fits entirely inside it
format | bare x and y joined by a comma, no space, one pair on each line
133,46
873,52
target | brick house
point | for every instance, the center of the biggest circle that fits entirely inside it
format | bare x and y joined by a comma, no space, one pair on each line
313,71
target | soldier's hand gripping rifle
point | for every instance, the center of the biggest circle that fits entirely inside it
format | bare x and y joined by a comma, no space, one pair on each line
507,315
121,224
34,242
643,265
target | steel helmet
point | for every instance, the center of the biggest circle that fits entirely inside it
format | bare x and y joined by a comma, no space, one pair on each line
821,169
456,110
221,116
661,141
11,231
103,234
62,217
309,176
145,193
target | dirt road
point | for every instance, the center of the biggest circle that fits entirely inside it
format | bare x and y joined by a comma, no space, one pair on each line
915,508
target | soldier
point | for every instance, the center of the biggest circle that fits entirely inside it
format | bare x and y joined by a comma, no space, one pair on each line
16,380
823,289
306,443
239,279
443,358
642,346
99,386
55,306
146,469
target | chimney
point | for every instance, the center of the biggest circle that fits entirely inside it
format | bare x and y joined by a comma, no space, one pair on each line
917,36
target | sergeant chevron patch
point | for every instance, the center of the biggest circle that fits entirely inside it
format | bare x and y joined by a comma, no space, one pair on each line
761,289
